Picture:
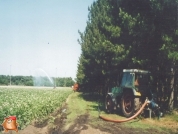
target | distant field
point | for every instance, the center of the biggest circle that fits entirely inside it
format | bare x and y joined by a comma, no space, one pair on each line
29,103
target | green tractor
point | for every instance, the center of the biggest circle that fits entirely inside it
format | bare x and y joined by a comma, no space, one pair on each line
130,93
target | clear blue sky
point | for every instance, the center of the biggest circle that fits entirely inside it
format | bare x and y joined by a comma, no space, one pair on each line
41,34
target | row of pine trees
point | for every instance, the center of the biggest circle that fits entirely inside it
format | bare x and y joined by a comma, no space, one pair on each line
125,34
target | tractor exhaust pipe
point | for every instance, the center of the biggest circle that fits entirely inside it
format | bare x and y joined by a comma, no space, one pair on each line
128,119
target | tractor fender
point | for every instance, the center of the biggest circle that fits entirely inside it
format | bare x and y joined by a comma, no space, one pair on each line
112,97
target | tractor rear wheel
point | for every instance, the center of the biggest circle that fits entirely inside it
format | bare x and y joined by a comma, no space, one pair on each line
109,104
129,104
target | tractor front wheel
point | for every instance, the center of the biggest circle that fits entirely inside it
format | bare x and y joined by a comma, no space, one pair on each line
129,104
109,104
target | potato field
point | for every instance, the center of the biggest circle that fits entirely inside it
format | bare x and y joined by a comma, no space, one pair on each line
30,103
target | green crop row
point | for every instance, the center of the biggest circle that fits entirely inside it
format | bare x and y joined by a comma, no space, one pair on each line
28,104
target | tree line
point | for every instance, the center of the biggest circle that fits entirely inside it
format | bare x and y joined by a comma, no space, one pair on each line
36,81
127,34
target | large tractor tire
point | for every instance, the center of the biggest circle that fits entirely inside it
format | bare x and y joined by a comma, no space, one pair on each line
109,104
129,104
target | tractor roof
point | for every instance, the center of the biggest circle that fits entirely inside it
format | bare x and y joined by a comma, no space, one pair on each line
135,70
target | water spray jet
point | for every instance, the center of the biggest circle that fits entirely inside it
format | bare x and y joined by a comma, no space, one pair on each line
41,78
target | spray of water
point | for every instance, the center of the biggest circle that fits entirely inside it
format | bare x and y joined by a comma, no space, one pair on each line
41,78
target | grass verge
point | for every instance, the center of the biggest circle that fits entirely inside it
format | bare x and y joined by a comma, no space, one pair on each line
79,104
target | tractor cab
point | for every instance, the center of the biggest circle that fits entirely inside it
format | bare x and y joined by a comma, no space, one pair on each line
137,80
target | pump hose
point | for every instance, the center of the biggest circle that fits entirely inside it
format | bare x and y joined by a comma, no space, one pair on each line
128,119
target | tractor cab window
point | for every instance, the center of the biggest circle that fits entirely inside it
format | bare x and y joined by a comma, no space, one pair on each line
141,79
127,80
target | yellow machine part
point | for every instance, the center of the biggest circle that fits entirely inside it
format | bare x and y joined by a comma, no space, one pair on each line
137,93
